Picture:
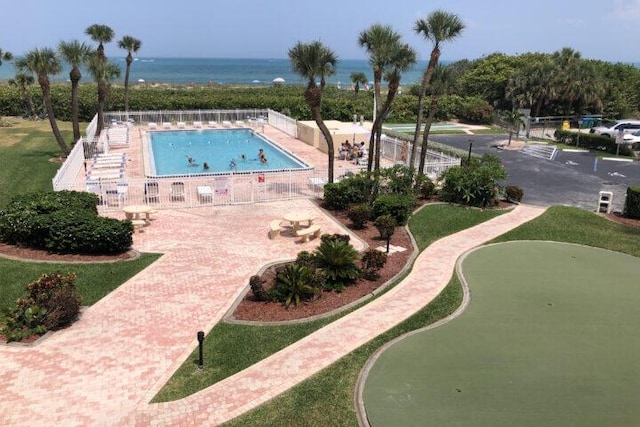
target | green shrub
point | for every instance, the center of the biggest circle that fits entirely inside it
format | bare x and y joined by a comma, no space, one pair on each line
51,302
425,188
475,184
386,225
63,222
632,203
306,259
513,193
336,258
325,238
294,283
359,215
592,141
372,261
399,206
257,288
352,189
397,179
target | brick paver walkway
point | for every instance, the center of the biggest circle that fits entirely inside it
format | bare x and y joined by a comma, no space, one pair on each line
105,368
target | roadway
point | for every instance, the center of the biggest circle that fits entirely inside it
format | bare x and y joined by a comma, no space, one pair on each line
570,179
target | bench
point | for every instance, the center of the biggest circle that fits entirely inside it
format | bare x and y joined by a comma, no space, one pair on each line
274,229
306,232
138,224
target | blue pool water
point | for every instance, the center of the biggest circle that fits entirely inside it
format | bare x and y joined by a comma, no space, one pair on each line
225,150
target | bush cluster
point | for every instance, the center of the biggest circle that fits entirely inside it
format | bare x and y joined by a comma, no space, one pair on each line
513,193
474,184
51,302
632,202
593,142
63,222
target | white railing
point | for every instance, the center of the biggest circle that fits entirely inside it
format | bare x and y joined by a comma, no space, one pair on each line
65,177
210,190
399,151
186,116
283,123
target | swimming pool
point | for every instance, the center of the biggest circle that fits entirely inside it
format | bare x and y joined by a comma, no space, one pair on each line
223,151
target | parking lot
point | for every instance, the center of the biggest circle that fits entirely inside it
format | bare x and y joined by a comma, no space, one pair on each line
571,178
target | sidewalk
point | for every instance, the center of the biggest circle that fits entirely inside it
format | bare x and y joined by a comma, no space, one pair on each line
106,368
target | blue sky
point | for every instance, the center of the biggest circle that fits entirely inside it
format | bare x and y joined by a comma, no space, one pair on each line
599,29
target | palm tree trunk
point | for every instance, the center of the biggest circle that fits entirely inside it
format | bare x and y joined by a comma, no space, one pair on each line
433,109
426,78
46,98
102,97
126,82
74,109
327,136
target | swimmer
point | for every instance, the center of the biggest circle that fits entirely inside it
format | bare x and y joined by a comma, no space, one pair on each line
243,157
205,166
190,159
261,156
232,164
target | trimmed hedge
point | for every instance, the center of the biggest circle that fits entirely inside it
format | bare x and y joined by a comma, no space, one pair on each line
63,222
399,206
592,142
632,203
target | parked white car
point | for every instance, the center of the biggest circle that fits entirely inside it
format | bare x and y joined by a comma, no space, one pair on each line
611,129
632,138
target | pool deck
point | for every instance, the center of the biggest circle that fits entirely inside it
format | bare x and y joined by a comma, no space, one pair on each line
105,368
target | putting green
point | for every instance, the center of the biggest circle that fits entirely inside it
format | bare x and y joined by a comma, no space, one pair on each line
550,338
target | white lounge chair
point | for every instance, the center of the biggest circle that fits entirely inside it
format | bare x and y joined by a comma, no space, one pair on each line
205,194
197,125
166,125
152,125
182,125
213,124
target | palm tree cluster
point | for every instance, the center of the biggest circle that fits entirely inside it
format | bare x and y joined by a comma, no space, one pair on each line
45,62
389,58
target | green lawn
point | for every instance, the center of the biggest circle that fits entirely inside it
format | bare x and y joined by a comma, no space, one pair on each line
25,152
327,398
551,341
26,148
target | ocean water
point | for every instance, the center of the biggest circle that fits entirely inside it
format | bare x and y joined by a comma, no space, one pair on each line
226,71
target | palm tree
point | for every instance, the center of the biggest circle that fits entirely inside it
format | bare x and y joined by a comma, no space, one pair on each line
23,81
358,78
441,81
314,60
42,63
103,72
5,56
513,119
439,27
75,53
131,45
101,34
388,57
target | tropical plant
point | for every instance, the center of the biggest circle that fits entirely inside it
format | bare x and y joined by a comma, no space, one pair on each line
131,45
23,82
514,119
75,53
438,27
100,34
42,63
386,225
103,72
5,56
388,57
293,284
513,193
475,184
358,78
441,80
52,301
337,259
311,61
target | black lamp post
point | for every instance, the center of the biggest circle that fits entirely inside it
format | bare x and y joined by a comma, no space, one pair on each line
200,342
469,156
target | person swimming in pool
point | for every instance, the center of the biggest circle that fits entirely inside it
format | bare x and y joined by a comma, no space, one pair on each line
243,157
232,164
191,160
205,166
261,156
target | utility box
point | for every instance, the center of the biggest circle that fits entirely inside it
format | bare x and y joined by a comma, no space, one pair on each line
605,202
